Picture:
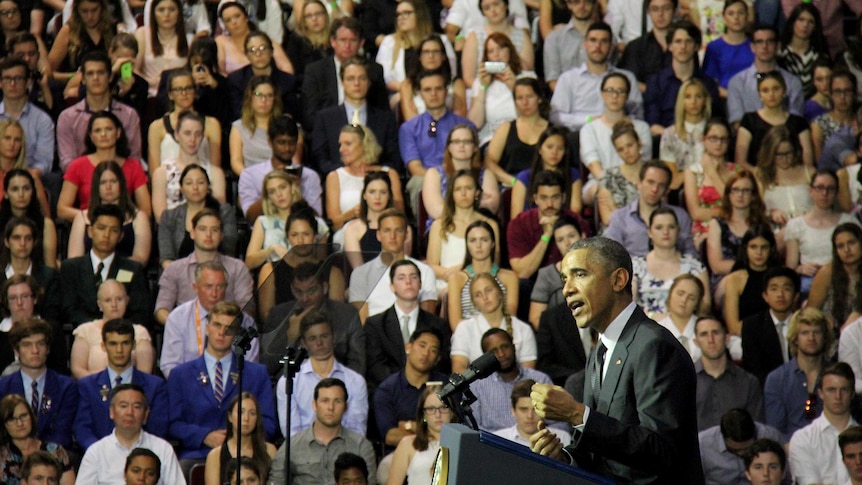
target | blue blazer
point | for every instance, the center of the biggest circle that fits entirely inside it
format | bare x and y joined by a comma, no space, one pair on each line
194,411
59,404
93,421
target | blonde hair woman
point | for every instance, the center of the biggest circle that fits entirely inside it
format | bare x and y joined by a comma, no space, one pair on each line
682,143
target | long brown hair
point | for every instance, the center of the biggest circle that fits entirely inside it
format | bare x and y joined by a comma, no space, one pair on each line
766,169
125,203
840,281
179,30
475,160
7,411
77,29
756,210
504,41
420,442
258,440
247,115
447,222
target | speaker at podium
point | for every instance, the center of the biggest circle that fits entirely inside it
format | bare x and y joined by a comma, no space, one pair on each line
469,457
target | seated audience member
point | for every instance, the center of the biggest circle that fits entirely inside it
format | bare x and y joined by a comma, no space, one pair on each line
745,284
143,467
790,396
755,124
576,97
842,88
396,397
198,390
782,177
73,124
250,472
416,452
23,251
648,54
529,234
53,397
496,21
167,191
802,48
317,336
20,200
42,467
563,47
683,44
219,459
627,19
526,419
90,354
682,142
248,141
547,291
22,299
311,288
283,137
850,443
706,178
360,233
320,86
308,454
92,422
104,461
481,251
176,283
175,225
732,52
723,446
106,140
18,441
806,237
422,148
766,463
44,94
37,129
834,287
349,466
628,223
552,154
721,384
369,288
683,304
184,339
110,183
433,56
354,73
81,276
132,92
388,334
820,102
264,58
813,451
237,27
465,16
764,334
654,273
618,186
742,89
492,409
158,50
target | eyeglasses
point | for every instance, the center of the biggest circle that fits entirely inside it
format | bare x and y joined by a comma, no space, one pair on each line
256,51
9,12
183,89
835,92
784,155
18,419
21,298
614,92
432,129
739,191
718,139
462,143
13,79
824,189
808,411
432,410
314,15
265,96
404,15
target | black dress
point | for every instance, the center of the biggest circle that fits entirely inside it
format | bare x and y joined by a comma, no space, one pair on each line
758,127
517,155
751,299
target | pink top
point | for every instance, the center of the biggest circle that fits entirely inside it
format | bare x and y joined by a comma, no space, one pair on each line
80,173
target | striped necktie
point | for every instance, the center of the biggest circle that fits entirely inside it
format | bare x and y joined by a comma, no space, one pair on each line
34,398
219,382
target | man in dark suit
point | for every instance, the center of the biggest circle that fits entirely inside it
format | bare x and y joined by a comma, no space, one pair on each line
80,277
93,421
321,87
355,78
764,335
560,345
387,333
52,396
637,423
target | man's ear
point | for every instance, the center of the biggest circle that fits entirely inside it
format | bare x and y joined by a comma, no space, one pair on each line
620,279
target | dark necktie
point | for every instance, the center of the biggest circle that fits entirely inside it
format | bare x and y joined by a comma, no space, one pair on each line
98,274
598,366
219,382
118,380
34,399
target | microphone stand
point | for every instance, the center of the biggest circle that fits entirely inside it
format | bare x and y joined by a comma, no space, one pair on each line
291,361
468,398
241,345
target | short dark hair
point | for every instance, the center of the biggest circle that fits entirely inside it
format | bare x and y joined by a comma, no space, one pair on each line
692,30
314,317
721,323
11,62
353,61
206,212
244,462
609,254
849,436
330,382
96,56
18,279
674,2
781,272
283,125
21,38
129,387
840,369
420,331
40,458
120,326
108,210
147,453
738,425
349,23
346,461
548,178
522,388
657,164
495,331
400,263
29,328
764,445
760,27
599,26
306,270
425,73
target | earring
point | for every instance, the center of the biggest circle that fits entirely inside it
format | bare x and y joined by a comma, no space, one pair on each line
424,420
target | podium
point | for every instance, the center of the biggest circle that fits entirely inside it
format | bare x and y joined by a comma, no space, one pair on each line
482,458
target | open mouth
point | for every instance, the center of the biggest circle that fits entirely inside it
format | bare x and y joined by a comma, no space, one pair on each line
575,307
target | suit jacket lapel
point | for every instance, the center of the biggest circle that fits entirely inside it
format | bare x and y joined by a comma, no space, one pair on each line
615,363
393,334
332,76
201,368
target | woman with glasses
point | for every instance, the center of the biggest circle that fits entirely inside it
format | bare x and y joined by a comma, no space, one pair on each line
496,13
802,45
249,144
162,43
754,125
161,135
259,49
842,93
682,142
232,44
414,457
782,177
598,153
309,42
89,356
806,237
432,56
705,180
837,286
18,440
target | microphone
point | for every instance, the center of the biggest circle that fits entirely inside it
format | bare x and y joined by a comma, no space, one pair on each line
243,338
478,369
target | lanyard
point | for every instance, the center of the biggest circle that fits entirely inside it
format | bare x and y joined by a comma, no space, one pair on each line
198,328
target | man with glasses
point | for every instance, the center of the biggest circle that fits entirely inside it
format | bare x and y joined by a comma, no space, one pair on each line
742,95
422,139
355,79
321,84
200,391
310,286
16,105
649,54
722,447
683,43
578,98
44,91
73,121
317,338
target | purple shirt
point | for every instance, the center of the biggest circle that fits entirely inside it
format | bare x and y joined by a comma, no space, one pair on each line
72,130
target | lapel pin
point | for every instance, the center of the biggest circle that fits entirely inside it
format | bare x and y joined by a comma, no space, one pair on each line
619,361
